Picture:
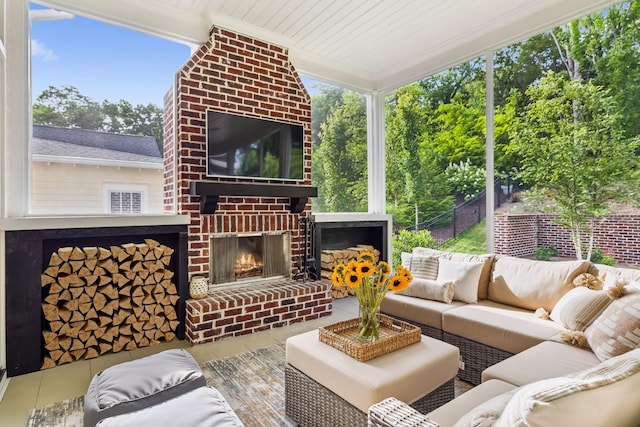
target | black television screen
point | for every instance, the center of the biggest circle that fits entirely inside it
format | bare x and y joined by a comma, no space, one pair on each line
241,146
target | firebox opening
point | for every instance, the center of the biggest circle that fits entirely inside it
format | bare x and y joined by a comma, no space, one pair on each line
249,257
252,256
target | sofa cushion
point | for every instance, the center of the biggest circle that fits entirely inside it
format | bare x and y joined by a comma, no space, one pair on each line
582,399
430,289
450,413
617,329
418,310
465,275
603,271
578,307
498,325
545,360
532,284
487,413
424,267
487,259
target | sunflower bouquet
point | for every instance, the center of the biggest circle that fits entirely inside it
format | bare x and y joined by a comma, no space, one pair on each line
370,283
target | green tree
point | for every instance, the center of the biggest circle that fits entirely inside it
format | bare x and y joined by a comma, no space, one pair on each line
341,157
67,107
571,142
123,117
416,187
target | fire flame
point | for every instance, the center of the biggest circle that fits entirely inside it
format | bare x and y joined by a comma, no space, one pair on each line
247,262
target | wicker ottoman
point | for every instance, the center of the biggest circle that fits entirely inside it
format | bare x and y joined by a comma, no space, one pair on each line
325,387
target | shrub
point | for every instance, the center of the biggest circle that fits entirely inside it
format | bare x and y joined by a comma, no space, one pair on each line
544,253
599,257
466,179
406,240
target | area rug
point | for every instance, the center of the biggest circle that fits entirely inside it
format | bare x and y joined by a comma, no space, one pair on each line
252,383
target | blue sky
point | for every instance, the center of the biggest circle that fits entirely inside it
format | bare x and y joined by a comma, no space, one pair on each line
105,61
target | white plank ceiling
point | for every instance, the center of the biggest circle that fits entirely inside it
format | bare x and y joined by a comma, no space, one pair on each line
372,45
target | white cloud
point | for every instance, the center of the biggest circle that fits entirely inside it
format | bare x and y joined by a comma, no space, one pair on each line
39,50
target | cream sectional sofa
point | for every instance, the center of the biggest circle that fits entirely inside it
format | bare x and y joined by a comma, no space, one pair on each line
505,343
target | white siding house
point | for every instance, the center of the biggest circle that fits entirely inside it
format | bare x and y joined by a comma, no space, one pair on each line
77,171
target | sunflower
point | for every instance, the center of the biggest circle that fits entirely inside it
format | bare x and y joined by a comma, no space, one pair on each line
337,278
352,278
352,265
366,256
365,268
403,271
398,283
384,269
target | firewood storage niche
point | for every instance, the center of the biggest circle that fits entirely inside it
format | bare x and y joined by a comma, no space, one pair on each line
98,300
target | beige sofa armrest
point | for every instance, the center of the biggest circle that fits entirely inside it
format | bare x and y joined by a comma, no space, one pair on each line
392,412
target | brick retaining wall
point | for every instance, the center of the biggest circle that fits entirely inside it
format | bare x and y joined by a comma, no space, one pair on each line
521,234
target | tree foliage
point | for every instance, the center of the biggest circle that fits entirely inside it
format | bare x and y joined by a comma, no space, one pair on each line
571,142
341,158
440,120
66,107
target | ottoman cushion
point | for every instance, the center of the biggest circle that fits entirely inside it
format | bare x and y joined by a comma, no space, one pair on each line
408,374
141,383
202,407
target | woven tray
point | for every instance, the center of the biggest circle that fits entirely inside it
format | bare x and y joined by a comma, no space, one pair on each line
394,334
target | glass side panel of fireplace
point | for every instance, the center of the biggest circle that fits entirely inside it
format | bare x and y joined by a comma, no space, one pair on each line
237,258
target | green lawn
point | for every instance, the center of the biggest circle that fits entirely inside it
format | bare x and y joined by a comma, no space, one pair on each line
472,241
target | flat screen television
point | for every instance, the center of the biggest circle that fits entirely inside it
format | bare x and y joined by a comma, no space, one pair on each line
248,147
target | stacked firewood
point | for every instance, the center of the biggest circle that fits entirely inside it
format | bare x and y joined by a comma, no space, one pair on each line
99,300
330,258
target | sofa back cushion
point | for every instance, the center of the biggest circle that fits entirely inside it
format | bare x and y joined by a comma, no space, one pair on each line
604,395
604,271
532,284
485,274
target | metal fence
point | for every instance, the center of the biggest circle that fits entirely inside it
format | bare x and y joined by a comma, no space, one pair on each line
450,224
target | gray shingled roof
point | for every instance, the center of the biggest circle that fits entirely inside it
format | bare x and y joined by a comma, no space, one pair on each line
81,143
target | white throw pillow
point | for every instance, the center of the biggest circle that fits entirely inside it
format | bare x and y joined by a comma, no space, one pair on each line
405,260
465,275
430,289
578,307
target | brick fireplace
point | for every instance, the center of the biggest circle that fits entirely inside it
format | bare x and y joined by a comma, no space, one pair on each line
235,73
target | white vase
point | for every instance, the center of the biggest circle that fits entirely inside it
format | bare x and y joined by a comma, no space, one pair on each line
198,287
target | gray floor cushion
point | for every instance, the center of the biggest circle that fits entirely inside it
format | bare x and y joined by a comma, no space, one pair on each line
135,385
203,407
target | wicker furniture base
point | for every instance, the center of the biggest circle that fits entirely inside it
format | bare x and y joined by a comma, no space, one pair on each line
476,356
310,404
392,412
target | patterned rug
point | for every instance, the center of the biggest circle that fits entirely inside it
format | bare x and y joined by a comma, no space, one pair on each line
252,383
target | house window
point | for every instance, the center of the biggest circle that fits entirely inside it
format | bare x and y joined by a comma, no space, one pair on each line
125,202
125,199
